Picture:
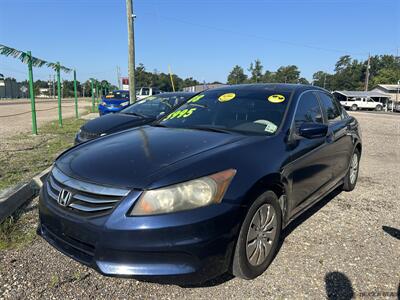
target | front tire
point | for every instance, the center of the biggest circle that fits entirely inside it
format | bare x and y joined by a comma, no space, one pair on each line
350,180
258,238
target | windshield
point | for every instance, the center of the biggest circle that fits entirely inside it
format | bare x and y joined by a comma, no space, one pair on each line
243,110
118,95
153,106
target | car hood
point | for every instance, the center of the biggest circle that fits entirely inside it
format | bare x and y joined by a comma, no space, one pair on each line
128,159
113,122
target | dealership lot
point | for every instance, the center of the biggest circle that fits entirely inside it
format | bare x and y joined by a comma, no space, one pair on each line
15,115
346,245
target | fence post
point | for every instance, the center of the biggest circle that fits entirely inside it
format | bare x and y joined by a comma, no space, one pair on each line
92,88
76,96
59,95
32,93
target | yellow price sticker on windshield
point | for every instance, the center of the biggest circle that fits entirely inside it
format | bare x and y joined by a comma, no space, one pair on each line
184,113
226,97
195,98
276,98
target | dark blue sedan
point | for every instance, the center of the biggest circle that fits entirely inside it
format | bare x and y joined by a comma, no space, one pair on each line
205,190
114,102
139,113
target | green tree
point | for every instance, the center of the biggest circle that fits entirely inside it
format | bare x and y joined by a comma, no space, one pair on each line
237,76
287,74
256,71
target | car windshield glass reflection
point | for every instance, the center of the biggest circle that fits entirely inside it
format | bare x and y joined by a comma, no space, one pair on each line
154,106
259,112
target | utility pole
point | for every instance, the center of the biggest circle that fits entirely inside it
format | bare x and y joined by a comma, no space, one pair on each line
367,74
324,80
131,50
119,77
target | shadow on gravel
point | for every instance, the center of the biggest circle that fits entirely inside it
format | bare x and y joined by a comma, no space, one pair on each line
338,286
392,231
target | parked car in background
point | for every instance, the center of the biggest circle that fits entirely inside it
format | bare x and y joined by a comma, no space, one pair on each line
114,102
142,112
361,103
146,91
206,189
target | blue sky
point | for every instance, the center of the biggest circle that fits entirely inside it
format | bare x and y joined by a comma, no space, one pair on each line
199,38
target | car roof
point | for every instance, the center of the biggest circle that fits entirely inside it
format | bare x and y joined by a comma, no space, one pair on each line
276,87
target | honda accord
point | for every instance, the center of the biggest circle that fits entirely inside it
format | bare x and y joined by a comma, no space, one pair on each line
205,190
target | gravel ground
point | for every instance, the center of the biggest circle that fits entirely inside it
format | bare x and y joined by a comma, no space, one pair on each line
348,245
15,116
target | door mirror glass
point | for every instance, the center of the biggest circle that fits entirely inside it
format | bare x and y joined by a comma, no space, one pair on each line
313,130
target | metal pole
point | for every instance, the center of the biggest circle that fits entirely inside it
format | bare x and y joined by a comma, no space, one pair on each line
32,93
170,76
92,88
397,95
76,96
131,50
367,74
59,95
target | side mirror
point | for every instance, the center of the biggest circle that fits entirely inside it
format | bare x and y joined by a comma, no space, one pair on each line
313,130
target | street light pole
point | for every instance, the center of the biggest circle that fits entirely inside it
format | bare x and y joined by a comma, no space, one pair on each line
131,50
397,95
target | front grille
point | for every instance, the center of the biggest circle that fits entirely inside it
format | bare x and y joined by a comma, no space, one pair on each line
82,197
86,135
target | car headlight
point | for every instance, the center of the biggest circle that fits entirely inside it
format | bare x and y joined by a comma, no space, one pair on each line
183,196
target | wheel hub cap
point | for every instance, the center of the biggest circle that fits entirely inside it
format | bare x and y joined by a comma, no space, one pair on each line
261,234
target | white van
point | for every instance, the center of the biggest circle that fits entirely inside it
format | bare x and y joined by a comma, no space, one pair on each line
145,92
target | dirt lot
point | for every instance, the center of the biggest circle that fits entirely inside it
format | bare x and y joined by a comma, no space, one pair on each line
15,116
346,246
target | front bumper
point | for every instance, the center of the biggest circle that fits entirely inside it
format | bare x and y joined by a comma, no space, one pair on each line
192,246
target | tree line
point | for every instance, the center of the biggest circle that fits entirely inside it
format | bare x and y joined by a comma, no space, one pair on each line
349,73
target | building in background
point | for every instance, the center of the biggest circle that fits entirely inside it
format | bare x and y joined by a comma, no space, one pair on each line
390,90
202,87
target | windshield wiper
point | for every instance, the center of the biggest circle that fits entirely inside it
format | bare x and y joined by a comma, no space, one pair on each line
158,125
136,114
197,104
213,129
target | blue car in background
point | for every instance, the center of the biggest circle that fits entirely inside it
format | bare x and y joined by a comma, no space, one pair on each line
114,102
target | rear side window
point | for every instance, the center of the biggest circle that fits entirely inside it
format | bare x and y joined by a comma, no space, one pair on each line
308,110
330,107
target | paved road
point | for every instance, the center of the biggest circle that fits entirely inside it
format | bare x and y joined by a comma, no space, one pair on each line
16,117
348,246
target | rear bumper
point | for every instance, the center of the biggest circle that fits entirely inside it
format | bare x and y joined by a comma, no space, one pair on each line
191,246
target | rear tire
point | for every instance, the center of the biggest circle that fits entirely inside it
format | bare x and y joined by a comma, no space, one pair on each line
354,107
350,180
258,238
378,108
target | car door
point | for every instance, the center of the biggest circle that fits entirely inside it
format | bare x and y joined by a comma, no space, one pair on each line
339,143
309,168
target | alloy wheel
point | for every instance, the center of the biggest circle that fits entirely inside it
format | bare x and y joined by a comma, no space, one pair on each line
354,168
261,234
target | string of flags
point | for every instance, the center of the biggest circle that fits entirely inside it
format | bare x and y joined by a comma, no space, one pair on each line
36,62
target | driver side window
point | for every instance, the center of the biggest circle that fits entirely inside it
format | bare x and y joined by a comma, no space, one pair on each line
308,110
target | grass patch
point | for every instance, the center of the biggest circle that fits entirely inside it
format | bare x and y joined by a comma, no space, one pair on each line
24,155
18,230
